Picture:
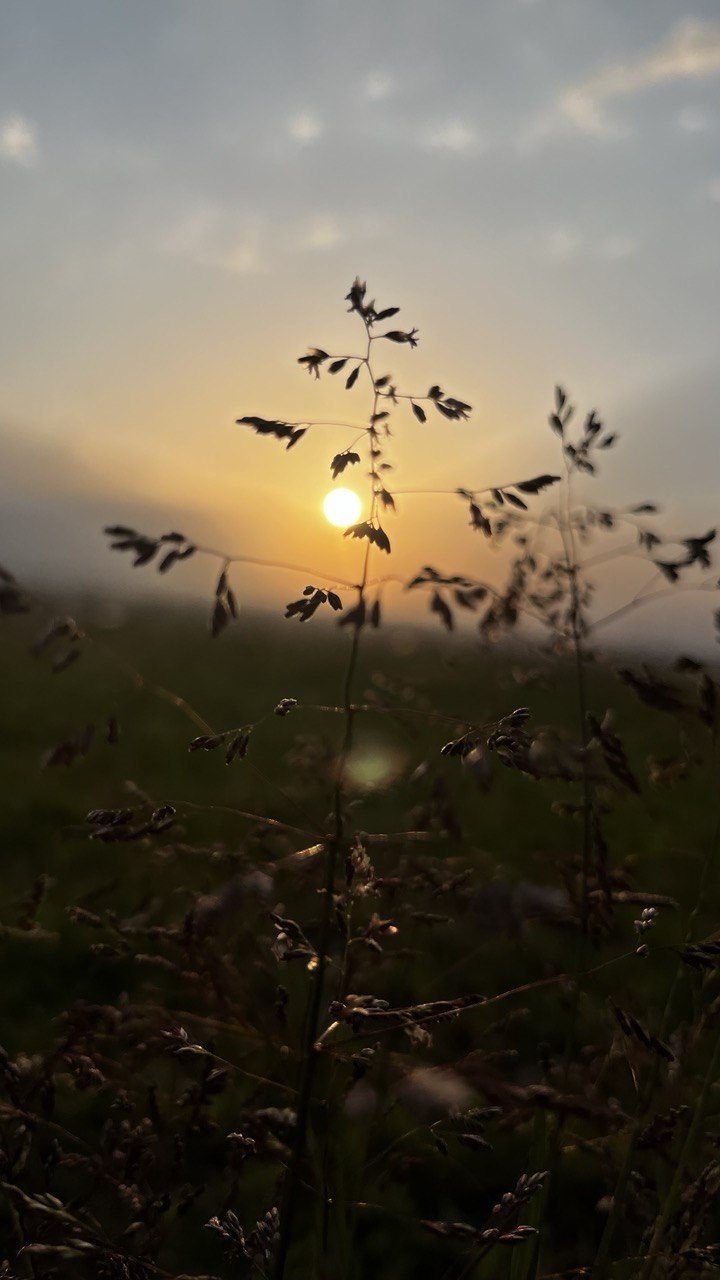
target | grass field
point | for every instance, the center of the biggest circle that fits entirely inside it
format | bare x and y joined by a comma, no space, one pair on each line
514,837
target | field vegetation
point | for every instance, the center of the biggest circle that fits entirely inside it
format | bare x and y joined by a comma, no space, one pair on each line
339,948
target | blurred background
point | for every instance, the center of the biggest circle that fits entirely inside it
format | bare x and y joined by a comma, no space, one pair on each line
186,192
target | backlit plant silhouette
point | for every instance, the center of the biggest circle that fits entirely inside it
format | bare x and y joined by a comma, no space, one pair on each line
274,1121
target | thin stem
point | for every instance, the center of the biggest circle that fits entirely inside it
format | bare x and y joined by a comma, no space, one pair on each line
317,422
369,708
602,1260
577,626
275,564
260,818
468,1006
463,490
687,1147
646,599
311,1048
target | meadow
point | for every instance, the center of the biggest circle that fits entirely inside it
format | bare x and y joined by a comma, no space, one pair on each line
363,950
514,840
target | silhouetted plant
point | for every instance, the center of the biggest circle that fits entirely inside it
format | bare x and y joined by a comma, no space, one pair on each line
177,1126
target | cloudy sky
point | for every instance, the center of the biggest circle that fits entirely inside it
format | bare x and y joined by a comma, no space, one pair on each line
187,188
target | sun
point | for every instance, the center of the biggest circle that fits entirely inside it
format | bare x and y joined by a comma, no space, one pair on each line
341,507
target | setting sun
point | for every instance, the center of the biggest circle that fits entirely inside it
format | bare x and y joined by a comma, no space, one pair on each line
341,507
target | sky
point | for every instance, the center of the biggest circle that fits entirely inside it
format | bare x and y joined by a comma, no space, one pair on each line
187,188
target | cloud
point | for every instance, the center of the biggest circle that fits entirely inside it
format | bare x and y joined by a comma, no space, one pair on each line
18,141
616,248
693,120
322,232
244,256
690,52
563,243
305,127
566,243
191,232
377,86
209,238
714,190
212,236
451,135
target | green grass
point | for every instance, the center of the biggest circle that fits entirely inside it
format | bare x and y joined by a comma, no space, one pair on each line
512,834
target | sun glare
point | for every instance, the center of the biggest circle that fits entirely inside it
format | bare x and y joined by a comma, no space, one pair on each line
341,507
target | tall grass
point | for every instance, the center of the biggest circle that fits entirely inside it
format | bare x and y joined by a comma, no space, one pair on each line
301,1068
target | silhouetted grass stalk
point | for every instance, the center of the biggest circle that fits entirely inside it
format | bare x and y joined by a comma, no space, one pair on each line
334,850
602,1260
